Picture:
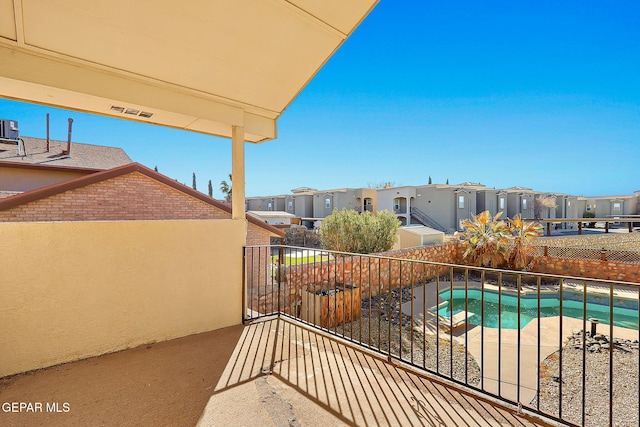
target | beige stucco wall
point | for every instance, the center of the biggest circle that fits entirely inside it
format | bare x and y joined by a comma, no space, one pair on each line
73,290
408,239
16,179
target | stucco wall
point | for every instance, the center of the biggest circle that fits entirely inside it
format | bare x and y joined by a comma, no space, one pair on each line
79,289
16,179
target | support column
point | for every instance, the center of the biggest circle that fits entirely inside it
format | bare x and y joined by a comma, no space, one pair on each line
237,173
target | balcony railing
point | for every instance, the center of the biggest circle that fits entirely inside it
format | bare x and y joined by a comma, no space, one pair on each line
562,347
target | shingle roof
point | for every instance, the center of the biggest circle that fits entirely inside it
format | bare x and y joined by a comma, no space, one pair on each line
4,194
81,155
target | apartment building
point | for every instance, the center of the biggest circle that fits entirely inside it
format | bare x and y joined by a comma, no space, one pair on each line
442,206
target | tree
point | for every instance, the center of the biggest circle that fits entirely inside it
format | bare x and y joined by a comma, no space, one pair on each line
542,203
522,232
194,181
590,215
492,243
210,189
486,238
226,189
380,185
430,181
447,181
349,231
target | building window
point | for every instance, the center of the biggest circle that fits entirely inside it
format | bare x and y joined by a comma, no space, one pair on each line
460,202
616,207
327,203
501,203
396,204
524,203
269,206
290,205
588,207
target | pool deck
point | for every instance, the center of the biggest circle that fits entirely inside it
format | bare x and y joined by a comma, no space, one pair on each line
490,348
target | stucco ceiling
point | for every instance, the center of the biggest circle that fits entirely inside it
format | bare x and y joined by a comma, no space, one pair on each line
201,65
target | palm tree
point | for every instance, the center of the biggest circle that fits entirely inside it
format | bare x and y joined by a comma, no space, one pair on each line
486,238
226,189
522,232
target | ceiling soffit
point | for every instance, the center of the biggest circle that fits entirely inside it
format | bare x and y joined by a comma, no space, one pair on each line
203,66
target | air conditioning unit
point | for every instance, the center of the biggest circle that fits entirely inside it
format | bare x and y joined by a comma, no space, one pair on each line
9,131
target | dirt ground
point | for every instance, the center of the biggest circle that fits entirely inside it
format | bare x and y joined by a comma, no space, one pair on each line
164,384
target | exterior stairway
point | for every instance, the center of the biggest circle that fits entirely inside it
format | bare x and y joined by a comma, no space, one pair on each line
426,220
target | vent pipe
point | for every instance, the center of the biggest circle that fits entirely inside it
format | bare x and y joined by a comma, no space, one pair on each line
68,150
48,138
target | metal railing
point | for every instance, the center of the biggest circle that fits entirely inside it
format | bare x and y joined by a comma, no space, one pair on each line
426,219
562,347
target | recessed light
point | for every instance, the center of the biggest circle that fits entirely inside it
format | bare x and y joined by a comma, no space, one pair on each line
131,111
145,114
118,109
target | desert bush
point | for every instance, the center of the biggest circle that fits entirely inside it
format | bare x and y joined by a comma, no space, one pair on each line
365,233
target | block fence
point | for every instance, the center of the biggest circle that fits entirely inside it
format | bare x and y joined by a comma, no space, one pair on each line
378,274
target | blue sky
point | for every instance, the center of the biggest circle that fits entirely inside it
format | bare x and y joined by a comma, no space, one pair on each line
540,94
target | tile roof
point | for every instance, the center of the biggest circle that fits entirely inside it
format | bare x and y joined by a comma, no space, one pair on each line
81,155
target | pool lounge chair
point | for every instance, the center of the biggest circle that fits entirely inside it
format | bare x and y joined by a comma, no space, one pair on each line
454,322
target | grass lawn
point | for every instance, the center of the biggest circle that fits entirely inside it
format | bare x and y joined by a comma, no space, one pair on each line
301,260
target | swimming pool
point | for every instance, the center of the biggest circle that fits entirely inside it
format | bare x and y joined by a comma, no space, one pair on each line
625,311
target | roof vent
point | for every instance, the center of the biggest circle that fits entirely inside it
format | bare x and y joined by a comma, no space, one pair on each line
131,111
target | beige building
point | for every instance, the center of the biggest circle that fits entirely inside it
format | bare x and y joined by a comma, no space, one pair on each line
608,206
417,235
357,199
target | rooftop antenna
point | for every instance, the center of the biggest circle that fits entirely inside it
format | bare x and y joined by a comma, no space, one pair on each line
68,150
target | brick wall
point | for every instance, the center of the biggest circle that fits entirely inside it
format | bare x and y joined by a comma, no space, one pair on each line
373,275
625,272
378,275
129,197
132,196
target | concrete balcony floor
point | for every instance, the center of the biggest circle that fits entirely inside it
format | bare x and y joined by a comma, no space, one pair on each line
269,373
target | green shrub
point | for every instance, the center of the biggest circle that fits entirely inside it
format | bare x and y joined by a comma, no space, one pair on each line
590,215
365,233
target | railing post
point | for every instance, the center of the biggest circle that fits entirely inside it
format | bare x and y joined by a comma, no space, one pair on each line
280,272
603,254
244,284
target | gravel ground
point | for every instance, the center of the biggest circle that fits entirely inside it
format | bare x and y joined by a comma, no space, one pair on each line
379,328
625,382
613,241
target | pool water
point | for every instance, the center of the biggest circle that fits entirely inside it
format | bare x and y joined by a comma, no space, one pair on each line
625,312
